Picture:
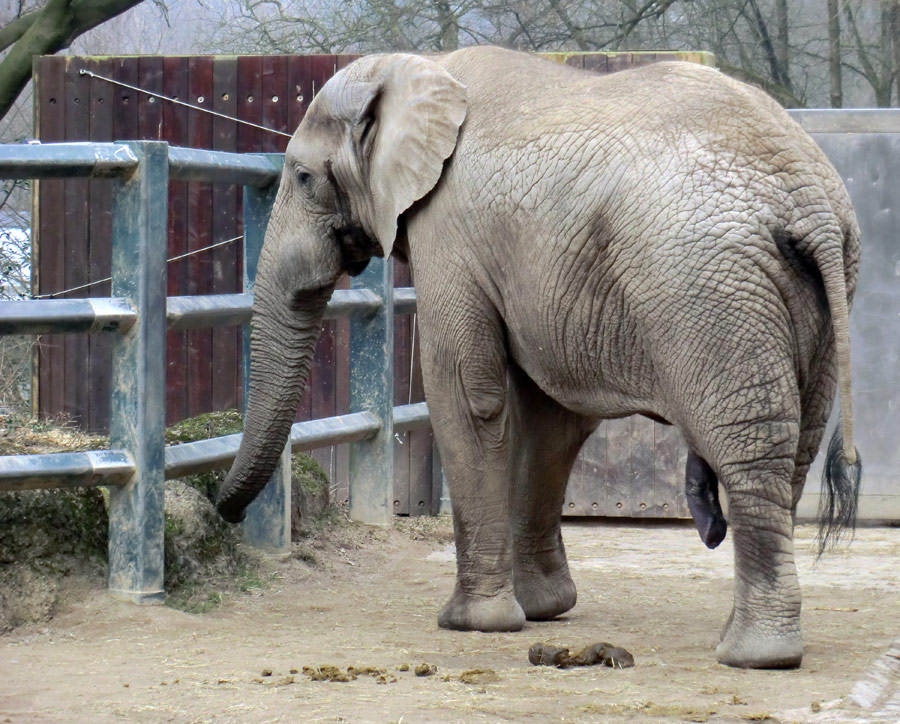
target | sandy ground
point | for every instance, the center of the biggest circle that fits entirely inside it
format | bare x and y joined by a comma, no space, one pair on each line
372,600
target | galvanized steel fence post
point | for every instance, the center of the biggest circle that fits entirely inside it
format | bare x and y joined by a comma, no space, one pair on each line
372,389
268,521
137,413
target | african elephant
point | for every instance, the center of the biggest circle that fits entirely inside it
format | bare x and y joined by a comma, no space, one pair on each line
662,241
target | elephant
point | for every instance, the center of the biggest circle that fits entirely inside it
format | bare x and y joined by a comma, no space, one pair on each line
701,487
663,241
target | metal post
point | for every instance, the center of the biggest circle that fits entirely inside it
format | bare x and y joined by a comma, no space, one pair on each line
372,389
137,410
268,521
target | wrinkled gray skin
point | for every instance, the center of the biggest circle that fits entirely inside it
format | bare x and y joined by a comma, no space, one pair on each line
663,240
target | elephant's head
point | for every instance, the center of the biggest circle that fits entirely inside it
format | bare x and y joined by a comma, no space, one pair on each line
373,142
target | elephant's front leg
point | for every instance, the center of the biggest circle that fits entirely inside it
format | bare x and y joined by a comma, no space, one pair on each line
465,377
546,439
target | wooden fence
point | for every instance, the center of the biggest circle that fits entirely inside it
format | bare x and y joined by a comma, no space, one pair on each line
74,101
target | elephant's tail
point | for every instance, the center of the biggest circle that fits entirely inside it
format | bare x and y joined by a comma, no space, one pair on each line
843,467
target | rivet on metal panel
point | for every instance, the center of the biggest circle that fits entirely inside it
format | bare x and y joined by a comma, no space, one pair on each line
299,99
619,505
200,99
665,506
594,505
643,506
274,99
571,505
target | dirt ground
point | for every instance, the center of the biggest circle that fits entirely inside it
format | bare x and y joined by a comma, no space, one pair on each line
371,597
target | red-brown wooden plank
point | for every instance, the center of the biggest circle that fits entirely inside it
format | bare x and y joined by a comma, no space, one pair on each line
618,61
596,62
100,212
150,112
49,242
199,375
77,199
275,103
299,89
125,104
174,130
225,269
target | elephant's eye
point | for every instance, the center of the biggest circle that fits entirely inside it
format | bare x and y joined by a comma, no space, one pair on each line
304,178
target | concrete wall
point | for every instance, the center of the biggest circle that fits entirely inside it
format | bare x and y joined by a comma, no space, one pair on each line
864,146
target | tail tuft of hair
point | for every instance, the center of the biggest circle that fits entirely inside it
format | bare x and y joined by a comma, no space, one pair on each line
840,495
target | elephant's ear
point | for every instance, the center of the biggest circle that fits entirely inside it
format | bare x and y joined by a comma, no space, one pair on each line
408,130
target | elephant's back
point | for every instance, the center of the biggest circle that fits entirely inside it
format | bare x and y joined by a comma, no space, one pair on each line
675,135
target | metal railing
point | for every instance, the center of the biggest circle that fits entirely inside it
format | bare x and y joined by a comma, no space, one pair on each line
138,314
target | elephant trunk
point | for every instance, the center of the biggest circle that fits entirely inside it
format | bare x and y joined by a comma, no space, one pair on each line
282,344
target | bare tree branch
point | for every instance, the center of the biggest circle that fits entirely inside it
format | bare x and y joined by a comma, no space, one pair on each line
50,29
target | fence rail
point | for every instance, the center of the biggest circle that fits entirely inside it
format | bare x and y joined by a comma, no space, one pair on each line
138,315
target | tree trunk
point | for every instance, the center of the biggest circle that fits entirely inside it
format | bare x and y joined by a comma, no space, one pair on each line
44,32
834,53
782,49
895,44
449,39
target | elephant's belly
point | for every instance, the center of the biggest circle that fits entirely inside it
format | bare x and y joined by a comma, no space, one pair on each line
590,387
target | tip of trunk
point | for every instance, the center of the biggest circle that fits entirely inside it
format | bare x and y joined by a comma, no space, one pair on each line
230,510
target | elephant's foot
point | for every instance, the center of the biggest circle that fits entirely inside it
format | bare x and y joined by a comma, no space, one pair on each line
760,645
466,612
544,596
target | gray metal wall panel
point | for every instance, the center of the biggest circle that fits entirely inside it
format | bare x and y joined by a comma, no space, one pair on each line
869,164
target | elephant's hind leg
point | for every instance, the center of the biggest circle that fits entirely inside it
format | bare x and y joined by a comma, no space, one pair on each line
764,628
545,441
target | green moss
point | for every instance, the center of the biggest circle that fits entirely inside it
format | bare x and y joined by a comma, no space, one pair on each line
201,427
194,599
173,527
308,474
